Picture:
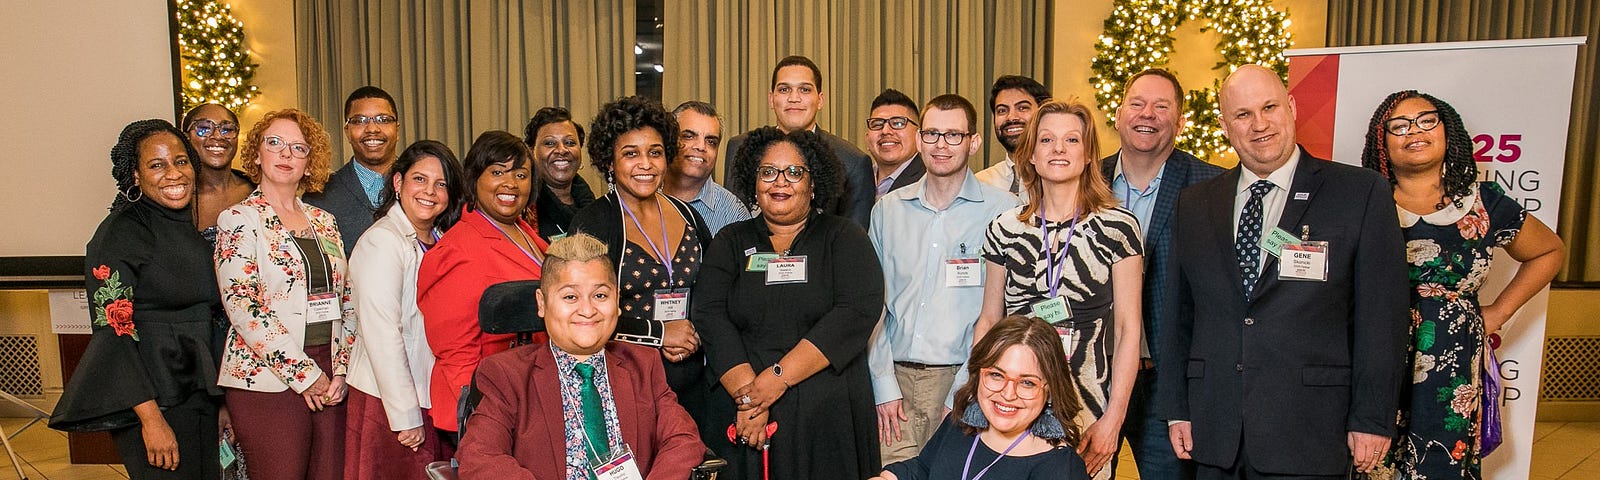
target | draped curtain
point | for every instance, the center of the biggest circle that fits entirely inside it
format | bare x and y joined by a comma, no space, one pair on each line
1378,22
458,68
722,52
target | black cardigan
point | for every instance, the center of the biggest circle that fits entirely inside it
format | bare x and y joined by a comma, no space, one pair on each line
603,220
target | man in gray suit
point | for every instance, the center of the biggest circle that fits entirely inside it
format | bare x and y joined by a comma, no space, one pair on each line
372,128
796,97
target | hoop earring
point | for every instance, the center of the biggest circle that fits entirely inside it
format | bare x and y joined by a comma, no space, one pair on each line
130,198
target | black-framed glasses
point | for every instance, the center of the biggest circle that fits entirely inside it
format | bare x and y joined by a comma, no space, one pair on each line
276,144
792,173
952,138
895,122
1400,126
1028,387
205,129
359,120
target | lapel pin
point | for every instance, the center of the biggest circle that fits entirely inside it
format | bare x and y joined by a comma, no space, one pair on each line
1302,195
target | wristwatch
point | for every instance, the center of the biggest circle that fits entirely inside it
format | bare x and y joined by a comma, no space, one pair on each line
777,371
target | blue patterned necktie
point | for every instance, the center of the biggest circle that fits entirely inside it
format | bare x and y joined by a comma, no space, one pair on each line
1247,242
594,416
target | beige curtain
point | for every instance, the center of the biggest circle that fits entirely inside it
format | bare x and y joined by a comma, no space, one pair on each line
459,68
1377,22
722,51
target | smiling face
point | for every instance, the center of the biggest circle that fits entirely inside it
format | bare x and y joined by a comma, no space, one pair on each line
1015,373
1150,116
784,202
579,306
165,173
423,190
221,142
940,157
1012,108
641,158
1059,149
890,147
795,98
557,149
1418,149
699,135
282,168
502,191
1258,118
373,144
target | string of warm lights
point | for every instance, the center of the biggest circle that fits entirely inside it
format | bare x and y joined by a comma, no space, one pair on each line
1138,35
216,65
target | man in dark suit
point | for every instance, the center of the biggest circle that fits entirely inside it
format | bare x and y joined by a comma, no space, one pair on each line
1288,304
1145,176
372,128
892,142
796,97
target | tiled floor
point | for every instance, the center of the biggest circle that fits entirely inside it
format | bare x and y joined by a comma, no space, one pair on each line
1561,451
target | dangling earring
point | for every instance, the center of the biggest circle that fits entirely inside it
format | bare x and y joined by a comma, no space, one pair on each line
973,416
1047,426
130,198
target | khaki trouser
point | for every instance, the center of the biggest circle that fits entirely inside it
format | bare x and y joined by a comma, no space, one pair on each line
922,394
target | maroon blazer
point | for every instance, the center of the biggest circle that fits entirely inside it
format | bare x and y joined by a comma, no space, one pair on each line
516,432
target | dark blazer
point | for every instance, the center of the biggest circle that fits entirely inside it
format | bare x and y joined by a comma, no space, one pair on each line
1182,170
347,201
516,431
1301,363
855,201
913,172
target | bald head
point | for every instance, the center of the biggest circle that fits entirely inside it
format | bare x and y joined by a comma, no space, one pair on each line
1258,118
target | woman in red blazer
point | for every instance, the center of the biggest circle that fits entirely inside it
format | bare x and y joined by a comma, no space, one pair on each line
490,245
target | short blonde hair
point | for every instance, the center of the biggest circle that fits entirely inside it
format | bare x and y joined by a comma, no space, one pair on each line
319,165
575,248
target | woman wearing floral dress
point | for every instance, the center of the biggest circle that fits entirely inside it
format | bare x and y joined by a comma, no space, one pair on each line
1451,224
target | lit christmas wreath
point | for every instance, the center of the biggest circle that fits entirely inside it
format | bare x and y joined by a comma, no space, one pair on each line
1138,35
216,65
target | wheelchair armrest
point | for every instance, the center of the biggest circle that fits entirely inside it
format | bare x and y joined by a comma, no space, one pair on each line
707,470
441,470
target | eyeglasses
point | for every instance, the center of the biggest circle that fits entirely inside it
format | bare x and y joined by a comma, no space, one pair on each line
360,120
792,173
897,123
1027,386
275,144
1400,126
205,129
952,138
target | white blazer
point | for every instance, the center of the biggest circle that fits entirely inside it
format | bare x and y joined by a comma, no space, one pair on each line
391,360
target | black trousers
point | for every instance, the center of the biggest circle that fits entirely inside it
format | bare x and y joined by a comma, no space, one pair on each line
1242,470
194,424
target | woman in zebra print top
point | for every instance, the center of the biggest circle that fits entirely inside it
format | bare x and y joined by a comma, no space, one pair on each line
1091,261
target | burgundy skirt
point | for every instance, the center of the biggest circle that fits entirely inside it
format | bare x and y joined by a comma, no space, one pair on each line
372,452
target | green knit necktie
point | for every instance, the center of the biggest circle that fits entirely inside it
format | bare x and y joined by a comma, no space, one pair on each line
594,416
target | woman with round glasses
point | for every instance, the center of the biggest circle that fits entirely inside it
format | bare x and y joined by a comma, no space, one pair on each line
1066,257
785,304
1016,413
1452,224
214,132
281,269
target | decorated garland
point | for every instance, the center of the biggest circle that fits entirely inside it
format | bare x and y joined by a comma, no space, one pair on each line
216,65
1138,35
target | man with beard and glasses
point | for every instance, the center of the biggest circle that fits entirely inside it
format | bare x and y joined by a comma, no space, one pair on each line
689,178
1011,100
372,128
557,144
891,141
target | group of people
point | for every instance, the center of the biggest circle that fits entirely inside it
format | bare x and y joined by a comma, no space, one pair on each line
828,313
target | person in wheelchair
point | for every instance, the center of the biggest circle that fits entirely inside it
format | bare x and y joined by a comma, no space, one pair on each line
574,406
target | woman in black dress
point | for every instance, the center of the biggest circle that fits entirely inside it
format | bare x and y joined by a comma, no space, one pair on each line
149,376
785,304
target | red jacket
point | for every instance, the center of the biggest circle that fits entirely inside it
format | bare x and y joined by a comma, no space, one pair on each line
516,433
467,260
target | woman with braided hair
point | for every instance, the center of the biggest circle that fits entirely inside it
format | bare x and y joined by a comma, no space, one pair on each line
1451,224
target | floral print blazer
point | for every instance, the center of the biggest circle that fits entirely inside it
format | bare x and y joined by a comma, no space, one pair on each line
262,277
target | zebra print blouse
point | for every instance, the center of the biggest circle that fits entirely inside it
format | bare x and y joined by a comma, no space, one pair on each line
1102,238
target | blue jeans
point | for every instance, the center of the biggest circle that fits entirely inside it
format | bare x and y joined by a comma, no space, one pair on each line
1147,435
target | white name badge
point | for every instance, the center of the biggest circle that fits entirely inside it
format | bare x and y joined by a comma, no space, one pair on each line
621,467
671,305
963,272
1068,339
324,308
1304,261
786,270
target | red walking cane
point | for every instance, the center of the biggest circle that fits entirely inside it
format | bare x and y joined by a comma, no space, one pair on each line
766,463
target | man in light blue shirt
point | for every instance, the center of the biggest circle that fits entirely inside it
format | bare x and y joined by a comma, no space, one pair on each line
928,236
689,176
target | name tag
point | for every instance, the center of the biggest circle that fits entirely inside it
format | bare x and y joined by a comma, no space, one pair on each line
324,307
1068,338
786,270
1275,239
1053,311
671,305
225,453
963,272
621,467
329,248
758,261
1304,261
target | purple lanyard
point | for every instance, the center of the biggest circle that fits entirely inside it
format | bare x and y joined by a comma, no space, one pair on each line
968,466
503,233
435,234
1051,265
666,261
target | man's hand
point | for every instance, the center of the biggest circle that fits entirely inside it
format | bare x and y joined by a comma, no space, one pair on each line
1182,439
890,415
1367,450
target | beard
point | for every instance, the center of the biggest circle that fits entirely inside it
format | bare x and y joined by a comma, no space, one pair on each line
1009,143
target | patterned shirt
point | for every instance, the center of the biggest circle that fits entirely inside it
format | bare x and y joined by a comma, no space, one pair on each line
371,182
1101,239
718,206
572,408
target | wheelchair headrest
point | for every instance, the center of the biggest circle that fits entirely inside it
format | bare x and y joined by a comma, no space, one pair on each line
510,307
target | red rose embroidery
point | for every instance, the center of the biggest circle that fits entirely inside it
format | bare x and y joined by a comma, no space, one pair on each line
102,272
119,315
1460,450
